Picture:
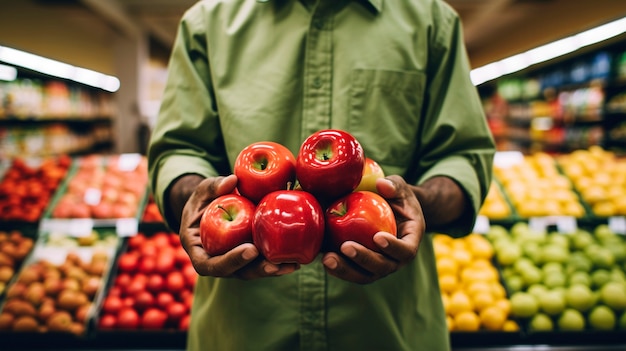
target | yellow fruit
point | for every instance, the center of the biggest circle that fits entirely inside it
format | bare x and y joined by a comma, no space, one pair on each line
466,321
448,283
510,326
492,318
461,256
476,287
459,302
447,265
504,305
497,290
482,300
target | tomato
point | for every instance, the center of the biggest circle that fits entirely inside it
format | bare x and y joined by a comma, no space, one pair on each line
147,264
164,299
136,242
190,275
153,318
176,311
127,318
144,300
165,263
122,280
155,283
184,323
107,321
175,282
112,304
127,262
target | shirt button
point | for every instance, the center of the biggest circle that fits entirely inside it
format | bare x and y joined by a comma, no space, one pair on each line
317,83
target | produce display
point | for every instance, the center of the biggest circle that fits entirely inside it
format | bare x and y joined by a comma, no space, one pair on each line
27,187
563,282
473,295
513,279
14,247
55,291
495,206
152,288
104,187
600,177
536,188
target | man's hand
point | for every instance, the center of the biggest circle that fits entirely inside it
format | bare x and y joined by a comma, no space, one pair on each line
243,261
361,265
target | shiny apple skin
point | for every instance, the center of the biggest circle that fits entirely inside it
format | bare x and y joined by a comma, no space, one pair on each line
263,167
288,227
226,223
371,172
330,164
357,217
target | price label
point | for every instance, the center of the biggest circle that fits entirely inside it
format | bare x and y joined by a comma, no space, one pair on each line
482,225
128,162
618,225
126,227
92,196
80,227
564,224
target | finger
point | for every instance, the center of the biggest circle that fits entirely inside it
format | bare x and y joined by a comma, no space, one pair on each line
370,261
228,264
344,269
402,250
386,188
262,268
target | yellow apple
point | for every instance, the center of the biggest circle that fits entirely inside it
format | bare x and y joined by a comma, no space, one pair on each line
371,172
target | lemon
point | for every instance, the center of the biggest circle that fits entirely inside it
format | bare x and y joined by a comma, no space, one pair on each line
466,321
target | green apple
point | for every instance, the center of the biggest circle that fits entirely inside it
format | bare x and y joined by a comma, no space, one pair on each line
613,294
580,297
571,320
552,302
541,322
602,318
524,305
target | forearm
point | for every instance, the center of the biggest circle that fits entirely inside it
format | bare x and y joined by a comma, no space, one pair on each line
443,202
177,195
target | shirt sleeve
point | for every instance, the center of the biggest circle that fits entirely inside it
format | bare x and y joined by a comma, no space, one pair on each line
187,137
456,140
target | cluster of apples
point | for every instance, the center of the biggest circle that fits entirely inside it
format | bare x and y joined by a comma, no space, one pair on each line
292,207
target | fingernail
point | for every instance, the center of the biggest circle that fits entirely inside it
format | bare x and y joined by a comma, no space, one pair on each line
270,269
331,263
380,241
349,251
248,254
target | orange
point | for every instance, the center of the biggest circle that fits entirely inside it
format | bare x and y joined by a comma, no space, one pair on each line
448,283
492,318
459,302
466,321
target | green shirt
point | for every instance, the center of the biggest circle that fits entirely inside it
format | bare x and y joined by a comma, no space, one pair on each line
392,73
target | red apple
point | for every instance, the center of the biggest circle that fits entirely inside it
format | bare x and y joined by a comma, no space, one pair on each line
371,172
288,226
330,164
226,223
263,167
357,217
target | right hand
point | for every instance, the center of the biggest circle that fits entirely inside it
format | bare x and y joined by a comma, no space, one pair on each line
244,261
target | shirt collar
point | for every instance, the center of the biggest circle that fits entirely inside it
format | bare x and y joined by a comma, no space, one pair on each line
375,4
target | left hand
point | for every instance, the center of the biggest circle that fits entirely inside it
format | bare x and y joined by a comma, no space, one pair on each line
358,264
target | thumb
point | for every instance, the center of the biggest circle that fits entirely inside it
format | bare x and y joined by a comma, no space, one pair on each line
386,188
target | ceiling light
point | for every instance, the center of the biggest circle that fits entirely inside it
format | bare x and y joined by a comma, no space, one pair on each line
58,69
7,73
547,52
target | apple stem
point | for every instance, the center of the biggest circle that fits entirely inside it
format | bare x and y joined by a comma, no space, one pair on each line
288,185
341,211
229,216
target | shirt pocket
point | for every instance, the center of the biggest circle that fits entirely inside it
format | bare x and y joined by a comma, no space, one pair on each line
385,108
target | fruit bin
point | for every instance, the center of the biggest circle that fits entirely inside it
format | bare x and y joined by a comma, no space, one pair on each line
549,275
56,294
27,185
150,291
102,191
